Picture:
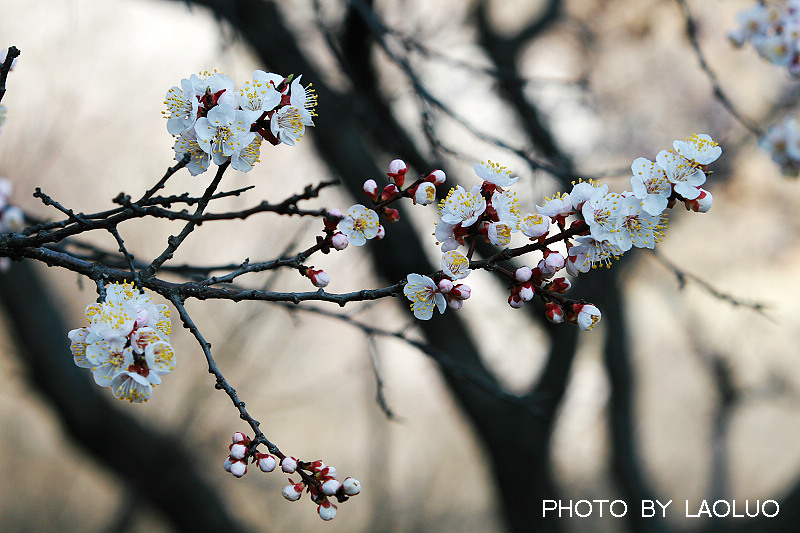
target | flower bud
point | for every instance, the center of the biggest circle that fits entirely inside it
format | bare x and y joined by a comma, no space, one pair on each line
370,188
445,286
328,471
351,486
391,214
238,451
336,213
534,225
339,241
560,285
318,277
455,304
460,292
330,487
381,233
289,465
523,274
266,462
326,510
227,464
701,204
397,172
437,177
515,301
238,468
390,191
526,292
425,193
332,219
554,312
293,492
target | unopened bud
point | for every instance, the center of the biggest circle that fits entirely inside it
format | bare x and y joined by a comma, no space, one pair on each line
293,492
701,204
339,241
455,304
351,486
523,274
326,510
445,285
515,301
328,471
526,292
390,191
397,172
437,177
227,464
289,465
238,451
460,292
266,462
238,468
370,188
560,285
381,233
318,277
392,214
240,437
330,487
554,313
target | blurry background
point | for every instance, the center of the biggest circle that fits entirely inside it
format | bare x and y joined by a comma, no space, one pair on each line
679,395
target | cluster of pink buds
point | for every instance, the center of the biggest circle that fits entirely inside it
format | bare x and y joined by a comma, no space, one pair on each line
316,478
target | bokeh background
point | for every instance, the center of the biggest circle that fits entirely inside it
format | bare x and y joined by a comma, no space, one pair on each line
707,404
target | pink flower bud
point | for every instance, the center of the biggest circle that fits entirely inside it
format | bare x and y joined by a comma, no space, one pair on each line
390,191
397,172
553,260
445,286
437,177
702,203
227,464
330,487
460,292
336,213
392,214
266,462
318,277
238,468
454,304
289,465
381,233
326,510
238,451
526,292
560,285
328,471
515,301
523,274
554,313
339,241
293,492
351,486
370,188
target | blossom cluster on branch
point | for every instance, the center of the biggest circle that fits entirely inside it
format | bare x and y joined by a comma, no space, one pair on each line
774,31
212,121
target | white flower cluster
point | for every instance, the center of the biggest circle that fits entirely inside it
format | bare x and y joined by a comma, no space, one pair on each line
318,479
212,121
607,224
774,31
126,345
782,141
